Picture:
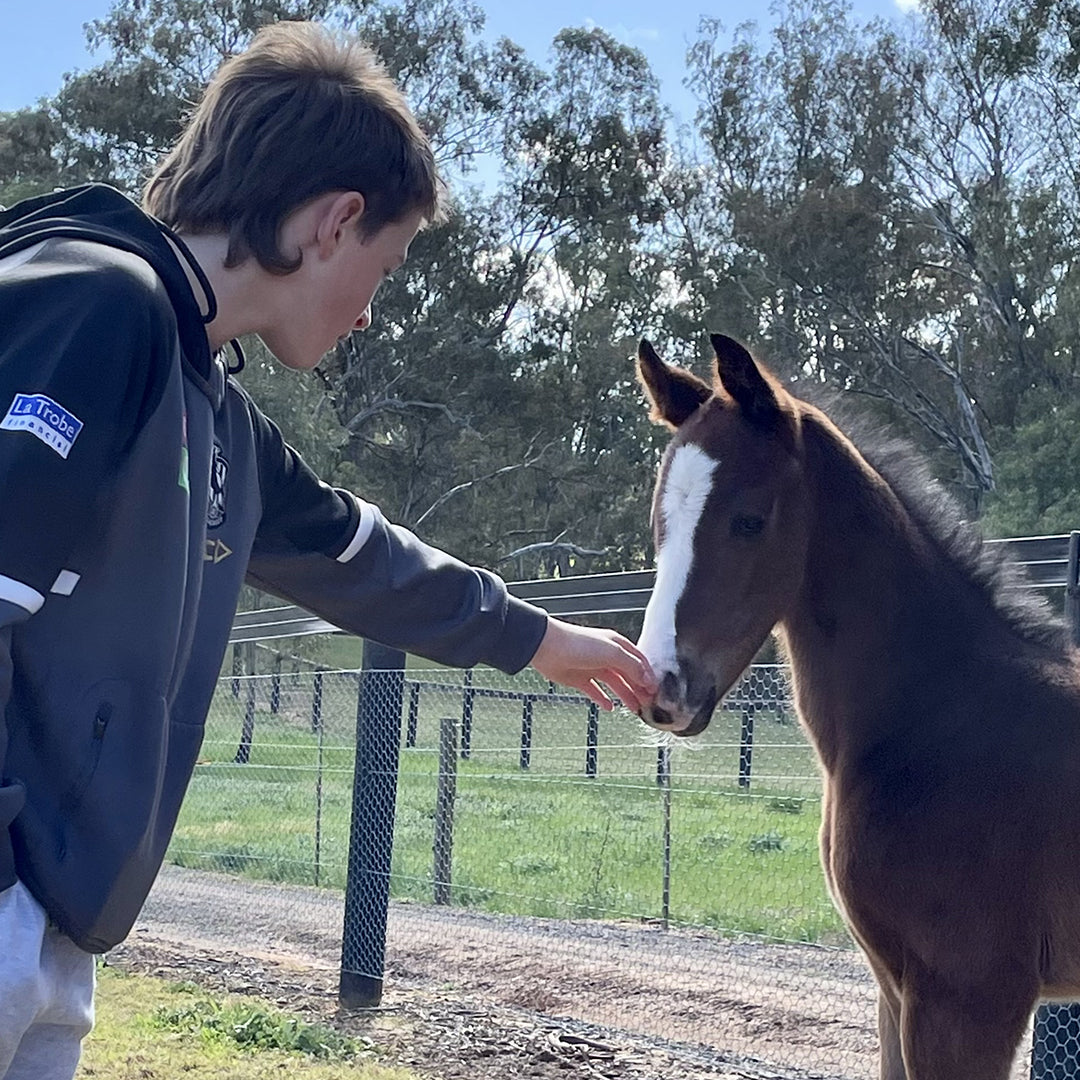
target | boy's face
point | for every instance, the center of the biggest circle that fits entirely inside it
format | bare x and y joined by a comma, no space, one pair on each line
336,283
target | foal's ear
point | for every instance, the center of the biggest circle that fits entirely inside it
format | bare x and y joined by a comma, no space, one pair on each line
741,377
674,392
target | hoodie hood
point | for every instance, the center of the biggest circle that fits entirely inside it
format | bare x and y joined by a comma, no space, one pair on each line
101,214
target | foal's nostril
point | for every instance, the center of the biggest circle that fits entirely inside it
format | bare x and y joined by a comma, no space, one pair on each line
661,716
669,687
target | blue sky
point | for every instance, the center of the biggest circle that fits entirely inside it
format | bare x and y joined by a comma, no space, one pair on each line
43,39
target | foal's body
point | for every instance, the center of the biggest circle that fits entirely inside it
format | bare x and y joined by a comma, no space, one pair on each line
947,722
950,745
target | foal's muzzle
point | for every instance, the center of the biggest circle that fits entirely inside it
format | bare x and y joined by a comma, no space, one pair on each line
684,703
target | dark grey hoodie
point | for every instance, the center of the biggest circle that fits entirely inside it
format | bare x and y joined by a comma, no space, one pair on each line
141,487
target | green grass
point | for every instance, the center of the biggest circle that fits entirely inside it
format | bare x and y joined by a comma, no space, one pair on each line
152,1029
547,842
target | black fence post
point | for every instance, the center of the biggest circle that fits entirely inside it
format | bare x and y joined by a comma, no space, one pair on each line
371,830
746,744
468,700
1055,1043
664,779
237,667
525,758
247,733
414,714
592,738
275,686
318,804
316,702
444,809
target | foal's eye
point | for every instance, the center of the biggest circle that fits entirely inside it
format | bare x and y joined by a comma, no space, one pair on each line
746,525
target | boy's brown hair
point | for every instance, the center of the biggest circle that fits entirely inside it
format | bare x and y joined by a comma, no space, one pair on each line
297,114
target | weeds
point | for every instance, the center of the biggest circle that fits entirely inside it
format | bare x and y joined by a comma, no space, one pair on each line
254,1027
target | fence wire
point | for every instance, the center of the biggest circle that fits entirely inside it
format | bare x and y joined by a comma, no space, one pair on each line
545,854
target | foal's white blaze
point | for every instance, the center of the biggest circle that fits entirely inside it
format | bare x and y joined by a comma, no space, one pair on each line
687,484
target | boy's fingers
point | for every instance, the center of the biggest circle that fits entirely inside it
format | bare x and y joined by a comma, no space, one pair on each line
637,670
595,692
624,691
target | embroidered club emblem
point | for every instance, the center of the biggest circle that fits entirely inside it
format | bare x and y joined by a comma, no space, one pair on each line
219,473
43,417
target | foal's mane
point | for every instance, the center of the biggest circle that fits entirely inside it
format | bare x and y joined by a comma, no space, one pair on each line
941,521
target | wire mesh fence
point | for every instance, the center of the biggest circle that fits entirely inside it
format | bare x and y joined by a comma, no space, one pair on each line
545,854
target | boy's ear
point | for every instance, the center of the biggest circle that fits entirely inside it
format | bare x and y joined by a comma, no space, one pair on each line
337,212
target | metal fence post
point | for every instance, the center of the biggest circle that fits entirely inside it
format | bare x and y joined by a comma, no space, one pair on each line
592,738
746,745
414,714
237,668
664,779
1055,1043
444,809
316,702
275,685
247,732
468,699
371,830
526,732
318,804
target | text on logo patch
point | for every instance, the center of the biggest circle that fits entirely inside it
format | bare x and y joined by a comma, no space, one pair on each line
41,416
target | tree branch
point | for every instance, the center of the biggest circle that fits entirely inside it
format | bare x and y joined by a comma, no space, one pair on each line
399,405
562,546
465,485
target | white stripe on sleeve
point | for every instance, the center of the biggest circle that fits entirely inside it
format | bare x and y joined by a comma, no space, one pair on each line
15,592
363,530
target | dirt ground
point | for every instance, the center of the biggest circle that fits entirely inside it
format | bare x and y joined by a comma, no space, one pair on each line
437,1032
500,998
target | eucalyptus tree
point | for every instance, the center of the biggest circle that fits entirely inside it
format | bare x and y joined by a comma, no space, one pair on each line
893,206
581,191
31,159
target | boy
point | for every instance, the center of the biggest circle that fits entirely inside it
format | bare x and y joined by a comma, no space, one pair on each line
143,486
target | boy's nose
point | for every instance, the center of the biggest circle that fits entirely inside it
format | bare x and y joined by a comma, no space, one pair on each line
365,319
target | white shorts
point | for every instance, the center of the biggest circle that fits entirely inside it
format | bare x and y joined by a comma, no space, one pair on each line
46,993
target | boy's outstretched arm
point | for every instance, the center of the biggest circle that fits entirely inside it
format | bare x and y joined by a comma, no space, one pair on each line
585,657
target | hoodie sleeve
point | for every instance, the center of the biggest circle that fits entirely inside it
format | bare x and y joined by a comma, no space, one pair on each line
337,556
73,358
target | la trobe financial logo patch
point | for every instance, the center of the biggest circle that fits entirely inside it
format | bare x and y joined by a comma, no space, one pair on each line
41,416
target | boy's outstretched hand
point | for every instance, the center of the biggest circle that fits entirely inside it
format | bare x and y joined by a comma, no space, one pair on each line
584,657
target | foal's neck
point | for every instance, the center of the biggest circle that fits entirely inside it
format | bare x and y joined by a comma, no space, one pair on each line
880,608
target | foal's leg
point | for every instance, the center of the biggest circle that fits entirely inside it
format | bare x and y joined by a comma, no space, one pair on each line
892,1061
947,1035
890,1058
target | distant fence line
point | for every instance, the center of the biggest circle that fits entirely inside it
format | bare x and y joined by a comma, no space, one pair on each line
1046,559
773,698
